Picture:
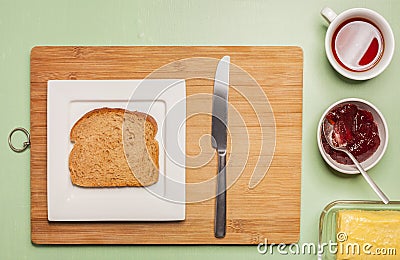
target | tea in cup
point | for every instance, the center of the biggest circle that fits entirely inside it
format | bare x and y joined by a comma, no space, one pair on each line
359,42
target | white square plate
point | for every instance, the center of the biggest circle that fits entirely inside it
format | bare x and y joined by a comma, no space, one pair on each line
69,100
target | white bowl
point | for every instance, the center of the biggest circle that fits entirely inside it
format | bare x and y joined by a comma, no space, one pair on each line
382,129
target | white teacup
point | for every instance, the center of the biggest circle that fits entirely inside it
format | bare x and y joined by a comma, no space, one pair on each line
359,42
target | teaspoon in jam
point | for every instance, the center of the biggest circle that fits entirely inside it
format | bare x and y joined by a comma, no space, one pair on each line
328,131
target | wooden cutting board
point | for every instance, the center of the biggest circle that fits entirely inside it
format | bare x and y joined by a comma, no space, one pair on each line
270,210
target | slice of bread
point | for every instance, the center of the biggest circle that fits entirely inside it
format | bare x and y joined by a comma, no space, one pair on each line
114,147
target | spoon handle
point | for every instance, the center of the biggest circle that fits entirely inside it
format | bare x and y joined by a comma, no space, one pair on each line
371,183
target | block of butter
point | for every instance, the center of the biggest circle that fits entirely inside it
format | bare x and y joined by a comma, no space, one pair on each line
368,234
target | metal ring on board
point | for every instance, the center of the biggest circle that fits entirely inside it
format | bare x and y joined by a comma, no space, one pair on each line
25,145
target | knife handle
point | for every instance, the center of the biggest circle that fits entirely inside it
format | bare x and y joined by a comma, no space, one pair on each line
220,206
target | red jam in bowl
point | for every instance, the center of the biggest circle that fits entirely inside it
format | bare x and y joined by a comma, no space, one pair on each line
357,128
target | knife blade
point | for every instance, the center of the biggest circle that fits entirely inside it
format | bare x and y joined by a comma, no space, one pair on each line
219,139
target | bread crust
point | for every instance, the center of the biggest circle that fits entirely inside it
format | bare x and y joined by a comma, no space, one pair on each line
105,110
126,182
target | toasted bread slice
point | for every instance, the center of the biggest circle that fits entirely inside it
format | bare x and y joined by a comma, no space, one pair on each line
114,147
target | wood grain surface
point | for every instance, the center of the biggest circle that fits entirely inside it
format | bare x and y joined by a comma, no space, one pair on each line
270,210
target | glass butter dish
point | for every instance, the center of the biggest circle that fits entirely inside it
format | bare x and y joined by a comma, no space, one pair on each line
343,242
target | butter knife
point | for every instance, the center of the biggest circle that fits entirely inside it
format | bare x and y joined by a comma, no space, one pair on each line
219,139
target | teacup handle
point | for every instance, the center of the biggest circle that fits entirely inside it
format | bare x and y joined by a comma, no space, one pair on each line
328,14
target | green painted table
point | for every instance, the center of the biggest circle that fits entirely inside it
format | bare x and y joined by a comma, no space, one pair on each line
24,24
